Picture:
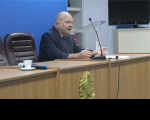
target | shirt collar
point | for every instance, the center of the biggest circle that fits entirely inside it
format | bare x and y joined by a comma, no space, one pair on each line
61,36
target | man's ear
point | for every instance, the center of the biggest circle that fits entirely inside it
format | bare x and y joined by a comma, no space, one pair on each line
57,24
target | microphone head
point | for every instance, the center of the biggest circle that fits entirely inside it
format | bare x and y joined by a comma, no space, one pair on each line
90,19
20,65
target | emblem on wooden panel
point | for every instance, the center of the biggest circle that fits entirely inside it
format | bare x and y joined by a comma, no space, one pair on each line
86,86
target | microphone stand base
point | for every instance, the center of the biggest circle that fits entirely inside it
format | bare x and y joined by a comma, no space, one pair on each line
99,58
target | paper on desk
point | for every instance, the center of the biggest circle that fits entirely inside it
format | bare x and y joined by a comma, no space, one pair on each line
113,57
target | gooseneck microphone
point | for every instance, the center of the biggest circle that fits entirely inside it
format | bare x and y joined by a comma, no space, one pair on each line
21,65
101,57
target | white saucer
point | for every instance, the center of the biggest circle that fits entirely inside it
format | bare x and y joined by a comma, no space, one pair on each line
27,69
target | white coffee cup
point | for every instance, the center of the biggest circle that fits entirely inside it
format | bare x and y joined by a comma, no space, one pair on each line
27,64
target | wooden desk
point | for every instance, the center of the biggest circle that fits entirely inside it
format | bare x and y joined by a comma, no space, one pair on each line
38,84
134,77
62,78
62,83
70,73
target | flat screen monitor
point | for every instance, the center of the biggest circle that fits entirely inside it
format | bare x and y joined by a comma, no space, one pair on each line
127,12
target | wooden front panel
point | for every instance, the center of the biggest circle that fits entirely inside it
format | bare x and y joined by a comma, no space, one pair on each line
69,81
39,87
134,79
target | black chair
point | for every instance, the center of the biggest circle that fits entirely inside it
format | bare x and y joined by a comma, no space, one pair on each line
20,46
3,58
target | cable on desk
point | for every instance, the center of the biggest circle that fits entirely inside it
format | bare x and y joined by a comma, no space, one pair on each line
118,77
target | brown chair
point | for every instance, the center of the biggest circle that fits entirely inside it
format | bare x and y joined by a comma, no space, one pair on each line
3,58
20,46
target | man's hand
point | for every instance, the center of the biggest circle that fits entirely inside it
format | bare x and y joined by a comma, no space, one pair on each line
87,54
84,54
98,52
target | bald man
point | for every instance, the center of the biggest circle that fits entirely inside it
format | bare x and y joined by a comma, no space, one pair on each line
57,43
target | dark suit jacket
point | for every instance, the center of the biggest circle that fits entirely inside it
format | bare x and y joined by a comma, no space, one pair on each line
53,46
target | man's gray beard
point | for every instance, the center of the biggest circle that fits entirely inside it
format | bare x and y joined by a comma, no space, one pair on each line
66,32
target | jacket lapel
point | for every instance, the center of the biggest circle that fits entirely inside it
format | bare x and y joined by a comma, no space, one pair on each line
62,41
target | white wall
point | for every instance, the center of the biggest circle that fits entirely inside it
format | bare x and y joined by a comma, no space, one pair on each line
98,10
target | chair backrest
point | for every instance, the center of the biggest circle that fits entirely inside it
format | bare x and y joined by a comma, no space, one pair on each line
20,46
3,58
75,38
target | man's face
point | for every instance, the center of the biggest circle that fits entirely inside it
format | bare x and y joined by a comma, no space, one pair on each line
65,25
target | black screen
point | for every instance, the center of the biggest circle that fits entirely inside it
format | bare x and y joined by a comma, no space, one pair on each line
129,12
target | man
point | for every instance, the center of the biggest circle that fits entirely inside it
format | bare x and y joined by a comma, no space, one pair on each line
57,43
